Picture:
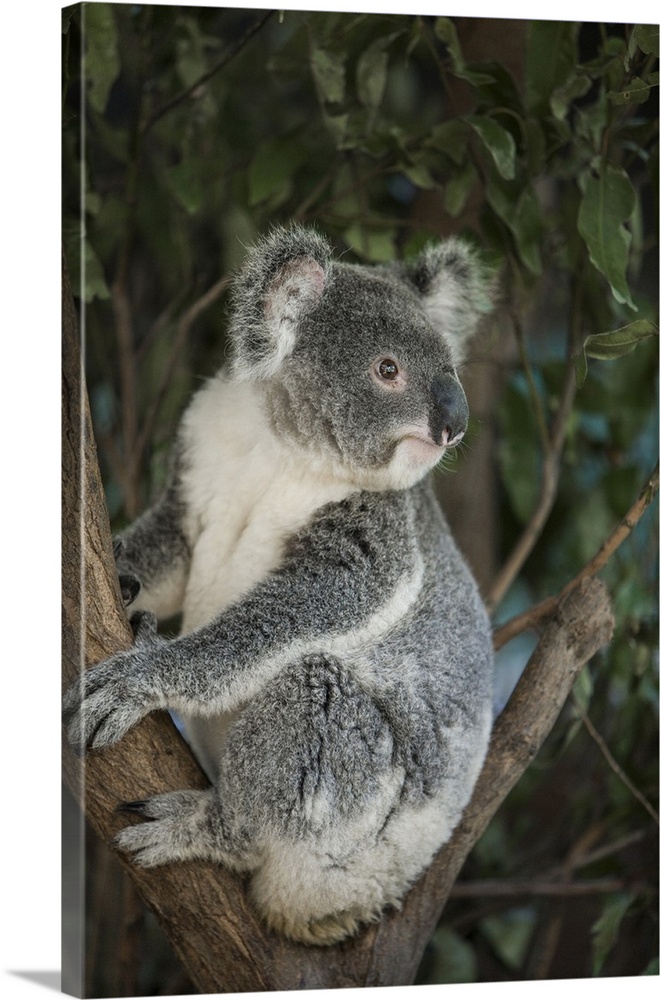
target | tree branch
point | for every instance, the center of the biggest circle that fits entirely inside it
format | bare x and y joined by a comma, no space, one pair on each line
547,494
482,888
153,757
533,617
227,56
620,773
552,447
556,881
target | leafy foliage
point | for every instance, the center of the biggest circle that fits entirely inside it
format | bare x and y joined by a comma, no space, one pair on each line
203,126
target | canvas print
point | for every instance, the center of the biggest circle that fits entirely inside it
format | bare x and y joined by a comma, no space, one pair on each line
359,467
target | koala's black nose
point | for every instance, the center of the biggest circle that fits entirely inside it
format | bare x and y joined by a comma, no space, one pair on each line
449,411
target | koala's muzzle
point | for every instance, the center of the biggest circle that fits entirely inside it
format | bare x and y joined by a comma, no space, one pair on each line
449,412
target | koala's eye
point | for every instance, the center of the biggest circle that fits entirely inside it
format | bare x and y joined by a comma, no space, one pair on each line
388,373
388,369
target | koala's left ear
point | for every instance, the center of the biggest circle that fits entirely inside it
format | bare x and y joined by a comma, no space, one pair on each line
455,289
283,277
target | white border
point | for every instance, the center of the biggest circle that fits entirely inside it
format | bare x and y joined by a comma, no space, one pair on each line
30,421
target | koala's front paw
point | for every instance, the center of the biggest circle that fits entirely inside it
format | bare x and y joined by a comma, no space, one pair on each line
109,699
129,584
145,628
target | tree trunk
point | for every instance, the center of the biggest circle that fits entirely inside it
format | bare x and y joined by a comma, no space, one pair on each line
201,906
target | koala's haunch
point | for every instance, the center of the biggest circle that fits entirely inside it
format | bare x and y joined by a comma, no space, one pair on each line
333,670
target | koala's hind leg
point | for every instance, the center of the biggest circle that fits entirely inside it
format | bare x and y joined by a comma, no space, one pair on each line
310,762
182,826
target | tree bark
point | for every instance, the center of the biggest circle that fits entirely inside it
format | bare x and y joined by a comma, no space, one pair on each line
202,907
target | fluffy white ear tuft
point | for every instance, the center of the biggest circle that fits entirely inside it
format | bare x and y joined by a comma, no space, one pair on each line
455,288
283,278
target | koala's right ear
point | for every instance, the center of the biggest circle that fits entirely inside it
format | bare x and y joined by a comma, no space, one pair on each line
283,277
456,290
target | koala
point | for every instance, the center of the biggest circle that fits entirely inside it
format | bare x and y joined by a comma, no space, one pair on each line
333,667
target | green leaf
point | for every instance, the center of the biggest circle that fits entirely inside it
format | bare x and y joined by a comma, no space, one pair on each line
502,90
420,175
95,283
191,58
607,203
521,213
613,344
636,92
563,96
102,62
271,172
371,76
590,121
113,139
450,137
416,243
457,189
345,197
534,147
371,72
338,127
454,958
375,246
416,36
605,930
445,30
187,185
551,60
527,227
644,37
583,689
87,277
591,522
509,934
518,454
498,141
329,75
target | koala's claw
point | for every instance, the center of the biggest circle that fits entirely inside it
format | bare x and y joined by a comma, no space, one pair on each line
138,807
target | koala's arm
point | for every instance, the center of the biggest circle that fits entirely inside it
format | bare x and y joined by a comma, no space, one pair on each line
153,554
342,581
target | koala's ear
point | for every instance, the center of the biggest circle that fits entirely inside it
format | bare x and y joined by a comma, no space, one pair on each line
455,289
283,277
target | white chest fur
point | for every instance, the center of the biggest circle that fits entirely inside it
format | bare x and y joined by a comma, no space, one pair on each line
246,491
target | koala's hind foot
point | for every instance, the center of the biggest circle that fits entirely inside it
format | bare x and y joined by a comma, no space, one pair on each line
181,826
188,825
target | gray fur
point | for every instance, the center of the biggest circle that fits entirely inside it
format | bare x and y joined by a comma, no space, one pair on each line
334,664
